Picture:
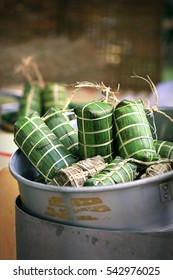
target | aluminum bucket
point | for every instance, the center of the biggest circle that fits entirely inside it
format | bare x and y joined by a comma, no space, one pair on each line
141,205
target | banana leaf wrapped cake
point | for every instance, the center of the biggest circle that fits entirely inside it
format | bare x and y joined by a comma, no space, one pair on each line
78,173
60,125
164,148
118,171
156,169
54,95
133,133
113,142
95,130
30,100
41,146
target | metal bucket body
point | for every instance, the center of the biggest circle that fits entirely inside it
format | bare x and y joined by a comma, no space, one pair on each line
40,239
141,205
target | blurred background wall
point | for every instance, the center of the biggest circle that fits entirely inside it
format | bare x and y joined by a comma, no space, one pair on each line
93,40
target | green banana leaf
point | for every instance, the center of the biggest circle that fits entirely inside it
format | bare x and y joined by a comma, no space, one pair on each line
118,171
95,130
30,100
164,148
133,133
41,146
60,125
54,95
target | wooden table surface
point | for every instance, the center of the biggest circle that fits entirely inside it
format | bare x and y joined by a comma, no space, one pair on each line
8,193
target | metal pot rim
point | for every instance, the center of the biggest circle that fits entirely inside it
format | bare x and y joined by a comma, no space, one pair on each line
120,186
